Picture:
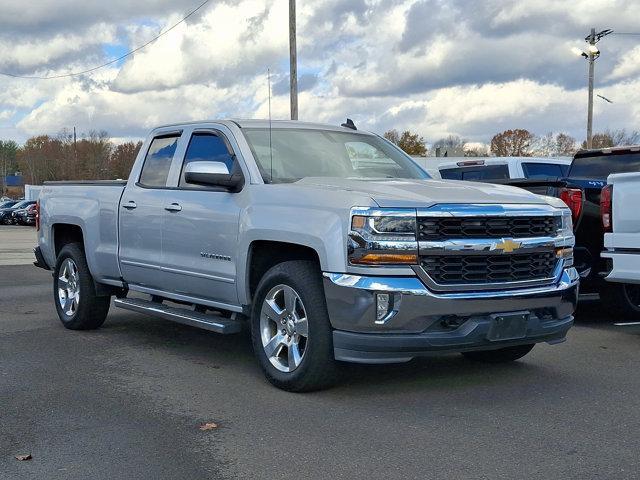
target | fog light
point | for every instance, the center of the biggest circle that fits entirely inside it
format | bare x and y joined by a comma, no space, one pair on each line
383,305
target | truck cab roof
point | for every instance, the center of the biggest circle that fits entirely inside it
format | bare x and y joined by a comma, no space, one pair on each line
265,123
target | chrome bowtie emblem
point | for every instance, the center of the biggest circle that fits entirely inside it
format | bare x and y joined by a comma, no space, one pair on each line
506,245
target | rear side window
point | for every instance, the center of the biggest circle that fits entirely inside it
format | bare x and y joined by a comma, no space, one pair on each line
158,161
543,170
599,167
488,172
206,147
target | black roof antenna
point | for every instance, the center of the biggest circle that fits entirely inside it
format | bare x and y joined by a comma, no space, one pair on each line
349,124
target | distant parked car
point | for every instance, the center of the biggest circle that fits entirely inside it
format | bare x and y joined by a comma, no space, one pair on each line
6,214
7,204
25,216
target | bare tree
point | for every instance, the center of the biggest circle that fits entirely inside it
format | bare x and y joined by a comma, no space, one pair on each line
621,137
614,138
393,136
545,146
476,151
558,145
451,145
565,145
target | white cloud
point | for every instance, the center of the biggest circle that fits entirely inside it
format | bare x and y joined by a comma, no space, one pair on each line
627,66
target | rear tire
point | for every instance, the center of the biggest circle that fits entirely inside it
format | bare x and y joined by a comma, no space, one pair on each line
74,291
502,355
290,329
621,299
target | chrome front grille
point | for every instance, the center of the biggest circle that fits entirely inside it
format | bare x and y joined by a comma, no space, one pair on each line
487,269
444,228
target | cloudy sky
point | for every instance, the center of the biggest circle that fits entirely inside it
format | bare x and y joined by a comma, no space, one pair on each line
439,67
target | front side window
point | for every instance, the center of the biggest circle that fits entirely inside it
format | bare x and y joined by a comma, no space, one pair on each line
206,147
287,155
157,163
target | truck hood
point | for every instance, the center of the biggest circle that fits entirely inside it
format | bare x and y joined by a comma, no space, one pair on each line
398,192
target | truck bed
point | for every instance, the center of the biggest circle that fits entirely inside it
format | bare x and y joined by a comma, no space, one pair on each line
93,207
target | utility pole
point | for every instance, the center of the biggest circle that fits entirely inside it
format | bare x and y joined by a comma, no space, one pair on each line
592,60
293,60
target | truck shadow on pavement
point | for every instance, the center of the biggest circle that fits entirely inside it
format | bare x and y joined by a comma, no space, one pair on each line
224,355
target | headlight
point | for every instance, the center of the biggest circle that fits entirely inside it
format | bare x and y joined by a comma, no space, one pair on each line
566,228
565,252
382,237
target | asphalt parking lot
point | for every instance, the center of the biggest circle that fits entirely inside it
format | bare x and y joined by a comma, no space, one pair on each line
126,401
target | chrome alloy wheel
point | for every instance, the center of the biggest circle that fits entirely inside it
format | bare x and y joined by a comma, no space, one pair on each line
69,287
284,328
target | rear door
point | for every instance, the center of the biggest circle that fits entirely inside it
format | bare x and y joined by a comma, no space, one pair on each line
200,230
142,213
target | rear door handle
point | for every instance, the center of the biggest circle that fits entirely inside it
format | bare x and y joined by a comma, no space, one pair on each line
174,207
130,205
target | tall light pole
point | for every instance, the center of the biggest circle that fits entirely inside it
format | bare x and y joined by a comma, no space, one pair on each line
293,60
591,55
592,60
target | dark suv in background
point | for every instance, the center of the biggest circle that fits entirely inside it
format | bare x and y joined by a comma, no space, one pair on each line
6,214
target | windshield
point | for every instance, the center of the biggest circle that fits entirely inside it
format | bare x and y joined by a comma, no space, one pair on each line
300,153
7,204
599,167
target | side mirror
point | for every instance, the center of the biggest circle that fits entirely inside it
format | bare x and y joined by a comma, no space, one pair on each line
213,174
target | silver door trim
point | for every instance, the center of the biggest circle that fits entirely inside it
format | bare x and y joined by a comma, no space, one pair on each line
197,274
141,264
178,271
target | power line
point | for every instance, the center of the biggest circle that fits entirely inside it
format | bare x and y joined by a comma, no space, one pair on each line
114,60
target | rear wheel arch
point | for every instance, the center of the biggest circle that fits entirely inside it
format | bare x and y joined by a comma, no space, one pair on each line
64,234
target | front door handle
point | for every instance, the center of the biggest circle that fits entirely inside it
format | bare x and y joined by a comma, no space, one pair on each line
174,207
130,205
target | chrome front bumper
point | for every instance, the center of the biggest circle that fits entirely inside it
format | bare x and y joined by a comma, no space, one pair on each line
422,322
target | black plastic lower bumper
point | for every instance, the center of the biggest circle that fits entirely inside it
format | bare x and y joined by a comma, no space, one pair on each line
473,335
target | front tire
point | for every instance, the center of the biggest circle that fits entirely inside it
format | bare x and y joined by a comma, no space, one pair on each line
501,355
74,291
290,329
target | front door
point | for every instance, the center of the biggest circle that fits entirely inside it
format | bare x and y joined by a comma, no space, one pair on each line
200,229
142,214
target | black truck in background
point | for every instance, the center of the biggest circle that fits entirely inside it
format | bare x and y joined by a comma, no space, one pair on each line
589,171
580,190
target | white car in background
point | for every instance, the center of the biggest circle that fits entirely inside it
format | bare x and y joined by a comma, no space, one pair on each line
494,168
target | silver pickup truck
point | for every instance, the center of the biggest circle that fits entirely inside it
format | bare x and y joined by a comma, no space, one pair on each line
330,243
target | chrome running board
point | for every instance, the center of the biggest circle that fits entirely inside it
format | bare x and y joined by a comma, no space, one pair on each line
213,323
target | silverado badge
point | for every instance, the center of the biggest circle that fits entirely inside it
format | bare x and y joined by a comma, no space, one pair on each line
506,245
